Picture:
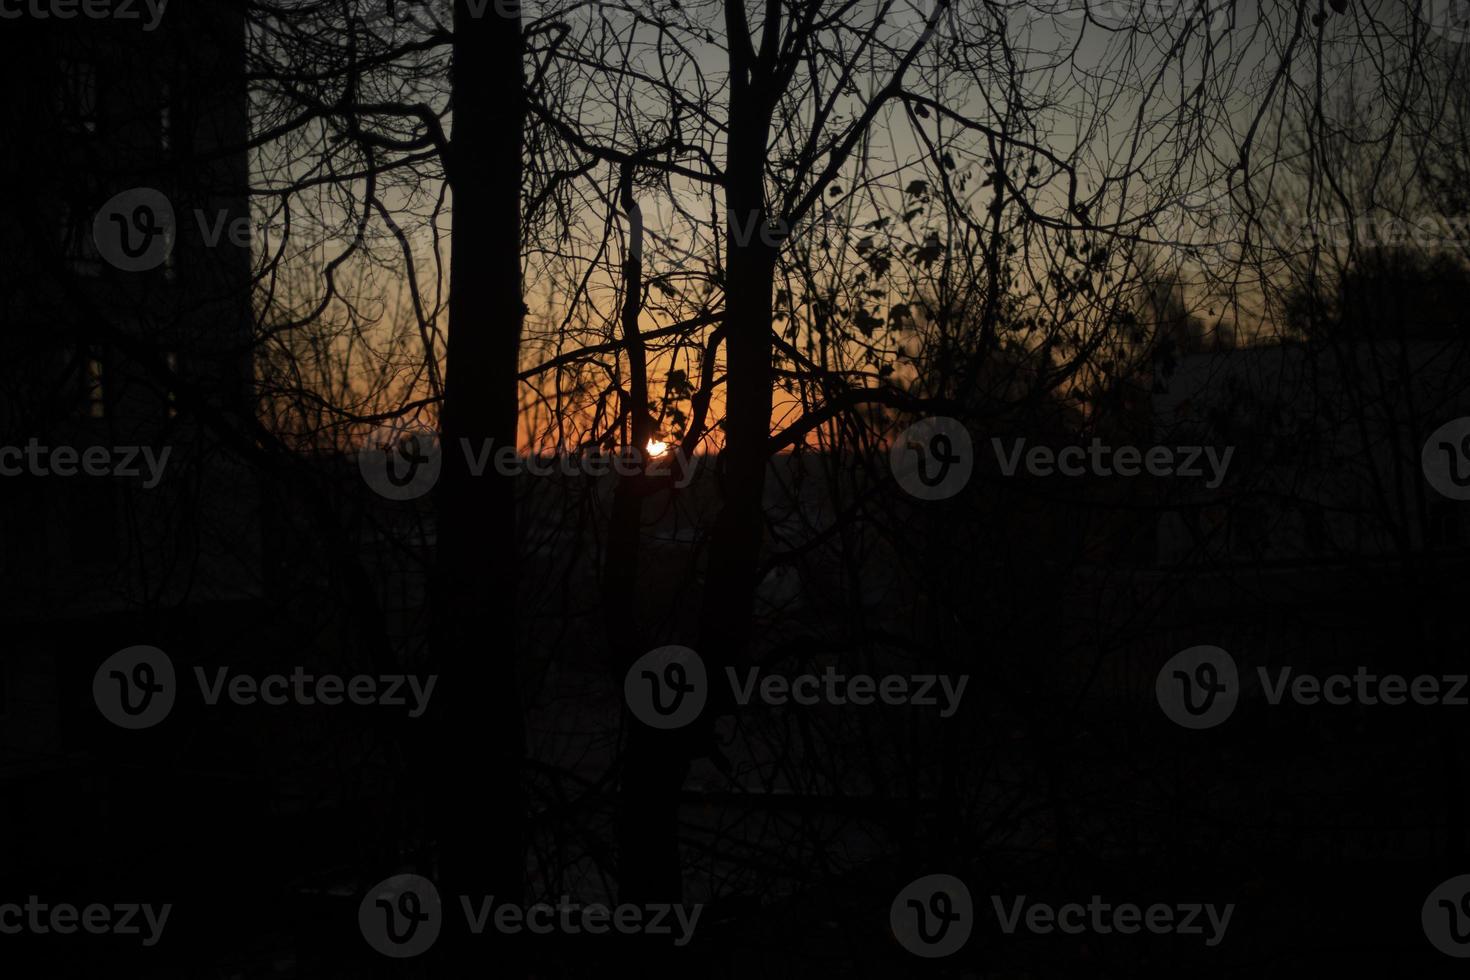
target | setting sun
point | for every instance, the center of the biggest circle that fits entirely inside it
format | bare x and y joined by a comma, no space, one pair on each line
657,447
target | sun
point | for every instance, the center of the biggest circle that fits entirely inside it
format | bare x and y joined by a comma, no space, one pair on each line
657,448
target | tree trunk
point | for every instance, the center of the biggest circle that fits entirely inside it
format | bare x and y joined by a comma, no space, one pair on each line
477,744
657,763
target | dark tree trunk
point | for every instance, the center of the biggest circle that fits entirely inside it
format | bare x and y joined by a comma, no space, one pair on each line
620,569
657,763
476,749
725,616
